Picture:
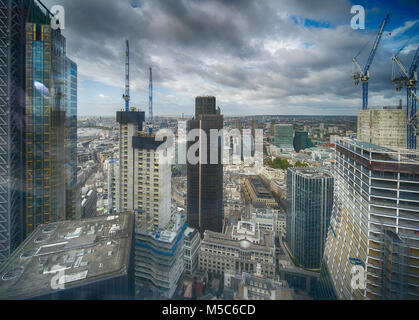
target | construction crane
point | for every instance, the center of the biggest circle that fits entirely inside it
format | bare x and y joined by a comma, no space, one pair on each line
363,74
409,78
150,97
126,95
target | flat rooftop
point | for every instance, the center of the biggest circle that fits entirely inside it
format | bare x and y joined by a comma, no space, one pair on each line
265,245
86,251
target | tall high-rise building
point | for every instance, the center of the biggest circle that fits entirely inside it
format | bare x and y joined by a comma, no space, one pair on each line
13,17
374,222
33,106
284,135
301,141
309,207
71,138
144,180
205,180
44,131
130,123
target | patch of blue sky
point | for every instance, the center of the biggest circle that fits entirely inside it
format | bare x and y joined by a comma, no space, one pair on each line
310,23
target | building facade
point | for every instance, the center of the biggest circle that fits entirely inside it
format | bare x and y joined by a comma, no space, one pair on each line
159,255
191,250
71,138
283,135
257,194
376,192
383,127
205,181
240,249
309,207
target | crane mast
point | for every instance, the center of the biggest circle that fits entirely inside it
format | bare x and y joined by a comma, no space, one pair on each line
408,79
150,97
126,95
363,74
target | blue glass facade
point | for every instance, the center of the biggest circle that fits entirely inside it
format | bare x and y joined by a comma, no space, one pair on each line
309,207
71,137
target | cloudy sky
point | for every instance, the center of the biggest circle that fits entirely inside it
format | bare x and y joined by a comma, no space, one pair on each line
257,57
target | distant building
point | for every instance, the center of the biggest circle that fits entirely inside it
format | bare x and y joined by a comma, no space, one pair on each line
191,250
257,194
284,135
78,259
309,207
301,141
159,256
238,250
383,127
205,181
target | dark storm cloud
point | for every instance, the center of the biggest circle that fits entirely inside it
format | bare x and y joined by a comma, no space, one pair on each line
244,52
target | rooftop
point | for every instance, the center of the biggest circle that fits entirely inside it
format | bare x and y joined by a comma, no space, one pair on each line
236,236
86,250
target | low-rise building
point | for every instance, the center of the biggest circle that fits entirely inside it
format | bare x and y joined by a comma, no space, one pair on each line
77,259
238,250
257,194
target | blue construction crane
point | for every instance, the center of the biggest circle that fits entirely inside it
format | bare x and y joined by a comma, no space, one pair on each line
408,79
126,95
364,74
150,97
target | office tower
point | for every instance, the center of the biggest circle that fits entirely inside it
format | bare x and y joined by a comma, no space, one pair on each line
144,181
130,123
375,191
71,138
12,103
284,135
205,180
159,258
152,181
79,259
309,207
44,131
32,135
240,249
301,141
383,127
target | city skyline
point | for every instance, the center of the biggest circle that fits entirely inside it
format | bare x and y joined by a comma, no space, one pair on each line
257,58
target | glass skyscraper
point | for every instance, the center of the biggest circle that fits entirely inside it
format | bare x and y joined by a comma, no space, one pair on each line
283,135
205,181
32,112
309,207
